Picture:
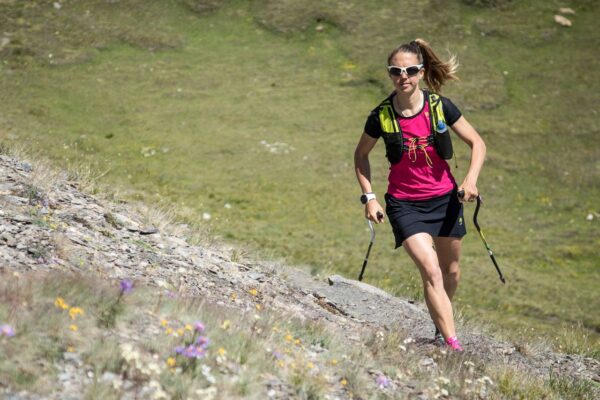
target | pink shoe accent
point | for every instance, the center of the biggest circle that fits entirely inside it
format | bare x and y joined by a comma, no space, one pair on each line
453,342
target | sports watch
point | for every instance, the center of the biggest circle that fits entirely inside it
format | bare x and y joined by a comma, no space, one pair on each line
366,197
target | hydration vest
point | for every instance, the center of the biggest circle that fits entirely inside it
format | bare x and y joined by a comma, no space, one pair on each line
395,143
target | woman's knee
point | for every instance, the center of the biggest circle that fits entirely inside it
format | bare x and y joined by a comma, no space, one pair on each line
451,271
432,274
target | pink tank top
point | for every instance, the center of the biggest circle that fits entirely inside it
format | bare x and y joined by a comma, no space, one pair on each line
421,174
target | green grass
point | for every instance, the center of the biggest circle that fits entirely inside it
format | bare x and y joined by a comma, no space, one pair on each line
187,114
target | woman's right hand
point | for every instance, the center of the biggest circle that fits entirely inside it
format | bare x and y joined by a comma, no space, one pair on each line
374,212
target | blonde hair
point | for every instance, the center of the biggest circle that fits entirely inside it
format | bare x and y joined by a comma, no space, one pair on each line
437,72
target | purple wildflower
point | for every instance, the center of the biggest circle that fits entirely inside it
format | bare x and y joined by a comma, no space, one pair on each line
192,351
382,381
277,355
199,326
203,342
126,286
6,330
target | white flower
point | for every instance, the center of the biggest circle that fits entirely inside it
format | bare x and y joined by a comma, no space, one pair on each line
443,380
128,353
153,368
206,372
117,383
159,393
485,380
208,393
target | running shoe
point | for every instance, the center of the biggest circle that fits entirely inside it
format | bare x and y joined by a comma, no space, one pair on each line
438,338
454,344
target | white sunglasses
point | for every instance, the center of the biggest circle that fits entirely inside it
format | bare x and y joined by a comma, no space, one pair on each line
409,71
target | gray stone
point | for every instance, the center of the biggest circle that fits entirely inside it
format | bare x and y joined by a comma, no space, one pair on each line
10,241
21,218
65,376
109,377
148,230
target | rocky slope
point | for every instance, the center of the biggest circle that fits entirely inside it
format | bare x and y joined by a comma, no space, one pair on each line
49,224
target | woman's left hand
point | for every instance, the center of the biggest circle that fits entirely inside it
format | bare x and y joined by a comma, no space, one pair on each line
470,136
470,191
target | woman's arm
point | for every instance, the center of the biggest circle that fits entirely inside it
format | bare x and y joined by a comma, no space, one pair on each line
469,135
363,174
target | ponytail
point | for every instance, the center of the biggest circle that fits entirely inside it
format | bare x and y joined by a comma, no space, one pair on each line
437,72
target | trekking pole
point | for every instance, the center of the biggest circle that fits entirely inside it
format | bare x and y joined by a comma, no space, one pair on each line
461,194
362,271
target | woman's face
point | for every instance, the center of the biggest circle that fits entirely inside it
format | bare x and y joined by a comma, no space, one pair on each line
403,82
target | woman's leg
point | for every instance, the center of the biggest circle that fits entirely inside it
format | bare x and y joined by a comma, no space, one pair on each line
420,248
448,252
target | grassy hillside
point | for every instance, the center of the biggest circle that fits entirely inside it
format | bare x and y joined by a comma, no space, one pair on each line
250,111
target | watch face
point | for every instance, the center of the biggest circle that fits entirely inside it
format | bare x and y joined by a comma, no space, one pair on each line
363,199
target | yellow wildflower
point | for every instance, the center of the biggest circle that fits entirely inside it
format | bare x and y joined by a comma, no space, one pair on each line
73,327
333,362
310,365
60,303
344,382
233,296
258,307
171,362
74,312
348,65
180,332
169,331
253,292
164,322
70,349
297,342
225,325
188,327
221,351
289,338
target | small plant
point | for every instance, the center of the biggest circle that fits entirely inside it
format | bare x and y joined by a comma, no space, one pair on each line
194,348
571,388
108,316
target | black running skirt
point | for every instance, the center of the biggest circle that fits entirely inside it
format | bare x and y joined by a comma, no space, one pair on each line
440,217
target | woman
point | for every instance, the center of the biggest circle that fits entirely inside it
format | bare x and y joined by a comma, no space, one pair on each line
422,201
